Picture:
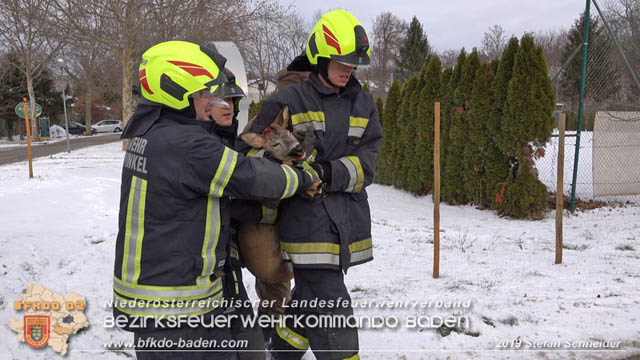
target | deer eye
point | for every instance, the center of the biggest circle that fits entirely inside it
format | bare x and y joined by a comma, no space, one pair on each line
276,144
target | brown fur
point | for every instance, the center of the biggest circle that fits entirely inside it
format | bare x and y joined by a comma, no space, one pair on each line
260,243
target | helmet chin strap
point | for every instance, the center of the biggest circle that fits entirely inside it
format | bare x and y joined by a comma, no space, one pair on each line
323,70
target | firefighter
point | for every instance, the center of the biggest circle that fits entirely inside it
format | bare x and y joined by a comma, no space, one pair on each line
226,126
174,219
324,237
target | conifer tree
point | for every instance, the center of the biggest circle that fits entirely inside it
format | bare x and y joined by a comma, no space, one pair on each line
497,163
462,96
254,108
421,175
415,48
478,140
410,135
380,107
450,179
405,130
459,132
446,109
528,118
390,130
603,76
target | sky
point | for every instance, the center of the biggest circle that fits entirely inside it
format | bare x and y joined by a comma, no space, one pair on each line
459,23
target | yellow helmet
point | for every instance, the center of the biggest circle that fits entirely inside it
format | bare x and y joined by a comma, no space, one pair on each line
339,36
173,70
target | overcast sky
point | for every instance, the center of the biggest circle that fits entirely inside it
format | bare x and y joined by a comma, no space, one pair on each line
455,24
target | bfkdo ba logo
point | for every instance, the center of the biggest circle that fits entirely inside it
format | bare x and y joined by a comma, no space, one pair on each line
36,330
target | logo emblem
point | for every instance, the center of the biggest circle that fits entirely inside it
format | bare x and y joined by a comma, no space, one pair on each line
331,39
36,330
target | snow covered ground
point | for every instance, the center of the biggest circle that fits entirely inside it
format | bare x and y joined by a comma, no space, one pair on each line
58,230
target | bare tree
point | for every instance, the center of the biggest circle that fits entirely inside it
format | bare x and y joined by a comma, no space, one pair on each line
135,25
272,46
494,42
84,57
27,30
449,57
624,18
386,35
552,43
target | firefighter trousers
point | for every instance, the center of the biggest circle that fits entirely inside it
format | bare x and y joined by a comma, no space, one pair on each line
309,325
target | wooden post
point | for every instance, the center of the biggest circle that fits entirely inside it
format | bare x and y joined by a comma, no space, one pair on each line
559,188
436,193
26,119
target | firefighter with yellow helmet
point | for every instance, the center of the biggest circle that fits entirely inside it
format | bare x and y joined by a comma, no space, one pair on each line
325,237
174,218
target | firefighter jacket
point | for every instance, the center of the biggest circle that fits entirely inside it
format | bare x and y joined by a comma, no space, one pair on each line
334,231
174,220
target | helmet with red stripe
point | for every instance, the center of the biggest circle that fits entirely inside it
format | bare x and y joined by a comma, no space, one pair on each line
173,70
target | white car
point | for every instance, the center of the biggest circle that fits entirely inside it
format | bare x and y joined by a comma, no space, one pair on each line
108,126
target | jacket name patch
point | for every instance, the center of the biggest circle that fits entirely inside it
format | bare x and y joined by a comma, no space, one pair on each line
134,159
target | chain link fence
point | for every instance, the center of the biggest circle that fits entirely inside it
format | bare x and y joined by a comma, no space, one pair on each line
609,152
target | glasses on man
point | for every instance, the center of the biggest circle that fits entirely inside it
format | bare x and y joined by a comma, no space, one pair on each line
211,98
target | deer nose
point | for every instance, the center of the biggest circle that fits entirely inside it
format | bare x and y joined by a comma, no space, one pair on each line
297,150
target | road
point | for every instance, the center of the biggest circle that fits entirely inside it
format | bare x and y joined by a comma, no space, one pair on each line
17,154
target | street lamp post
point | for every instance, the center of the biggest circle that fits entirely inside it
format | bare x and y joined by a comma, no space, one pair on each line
61,63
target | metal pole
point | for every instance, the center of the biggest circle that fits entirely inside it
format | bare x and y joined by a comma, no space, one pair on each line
560,188
566,63
585,46
64,104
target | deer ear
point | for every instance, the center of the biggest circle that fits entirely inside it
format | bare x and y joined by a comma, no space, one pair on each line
282,119
254,140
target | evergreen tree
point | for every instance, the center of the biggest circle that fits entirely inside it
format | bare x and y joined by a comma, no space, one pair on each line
410,135
13,88
459,132
497,163
421,175
12,91
254,108
406,131
380,107
500,87
446,110
477,145
528,119
415,48
390,129
603,80
451,184
525,197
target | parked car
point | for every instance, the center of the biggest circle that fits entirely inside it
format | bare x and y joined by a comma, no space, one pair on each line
75,128
108,126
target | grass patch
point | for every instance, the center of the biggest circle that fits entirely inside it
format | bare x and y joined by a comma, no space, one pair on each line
511,321
582,247
625,247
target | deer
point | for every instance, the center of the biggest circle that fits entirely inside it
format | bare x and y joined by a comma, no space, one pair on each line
260,243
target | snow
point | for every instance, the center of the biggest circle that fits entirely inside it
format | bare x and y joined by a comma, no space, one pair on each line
548,165
58,230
